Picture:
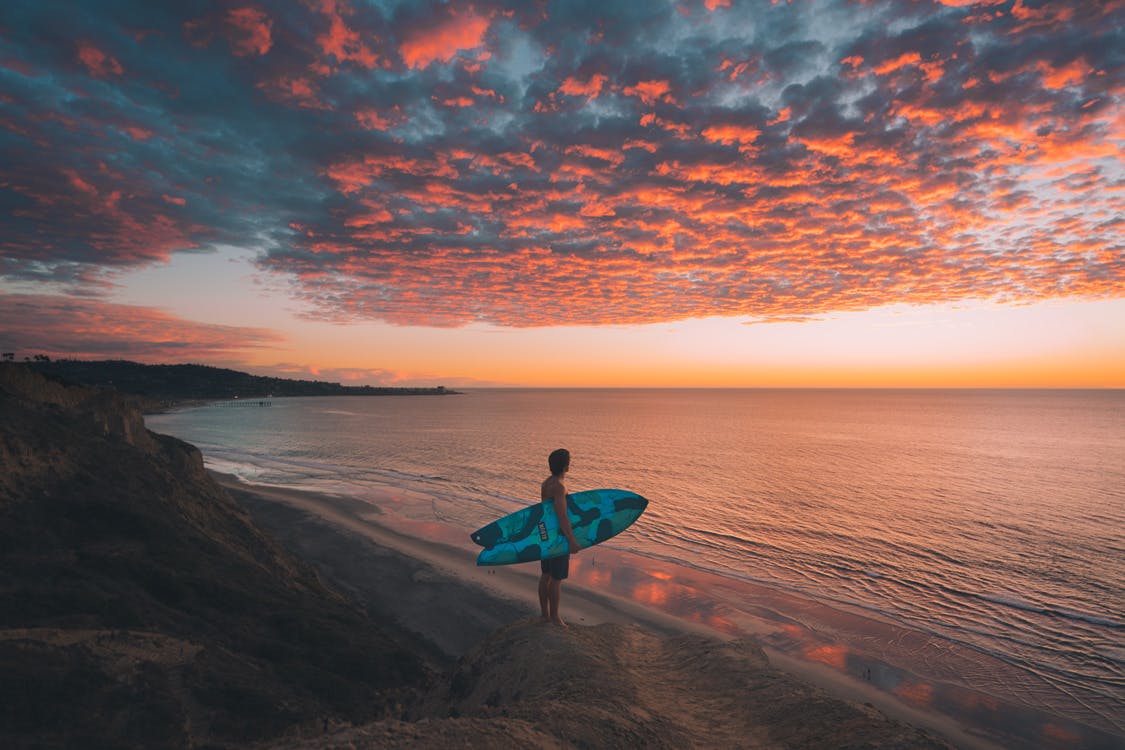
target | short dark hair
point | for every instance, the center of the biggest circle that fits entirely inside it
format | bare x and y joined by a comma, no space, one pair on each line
559,461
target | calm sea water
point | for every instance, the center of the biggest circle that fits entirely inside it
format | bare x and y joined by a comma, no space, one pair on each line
991,522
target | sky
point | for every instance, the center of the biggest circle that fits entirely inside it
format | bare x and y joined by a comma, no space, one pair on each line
586,193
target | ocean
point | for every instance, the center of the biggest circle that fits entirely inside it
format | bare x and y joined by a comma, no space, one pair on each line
963,550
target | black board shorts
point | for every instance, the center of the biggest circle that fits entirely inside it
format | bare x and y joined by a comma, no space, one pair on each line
558,567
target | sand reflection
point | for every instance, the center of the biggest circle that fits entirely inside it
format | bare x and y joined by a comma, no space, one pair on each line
834,655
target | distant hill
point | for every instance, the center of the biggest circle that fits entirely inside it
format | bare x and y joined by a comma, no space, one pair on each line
191,382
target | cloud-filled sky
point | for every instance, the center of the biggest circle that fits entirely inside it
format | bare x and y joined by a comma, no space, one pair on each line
485,180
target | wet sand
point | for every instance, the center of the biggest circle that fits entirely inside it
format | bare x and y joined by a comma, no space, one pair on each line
428,580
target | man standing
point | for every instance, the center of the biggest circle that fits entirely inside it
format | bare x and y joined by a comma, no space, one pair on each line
556,569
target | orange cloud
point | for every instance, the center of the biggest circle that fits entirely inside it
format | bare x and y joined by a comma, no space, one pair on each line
80,184
123,226
296,90
90,328
1067,75
341,41
898,63
479,91
137,133
589,88
372,120
649,146
441,42
597,209
737,69
739,135
650,91
592,152
841,146
98,63
458,101
682,130
254,31
351,176
1051,14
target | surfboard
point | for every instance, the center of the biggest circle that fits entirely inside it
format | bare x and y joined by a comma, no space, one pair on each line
532,533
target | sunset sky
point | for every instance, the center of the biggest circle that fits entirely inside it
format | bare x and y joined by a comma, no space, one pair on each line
620,193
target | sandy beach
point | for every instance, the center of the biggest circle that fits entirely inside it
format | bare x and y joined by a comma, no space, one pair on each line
433,588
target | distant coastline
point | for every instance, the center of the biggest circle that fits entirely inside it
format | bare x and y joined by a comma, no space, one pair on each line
168,386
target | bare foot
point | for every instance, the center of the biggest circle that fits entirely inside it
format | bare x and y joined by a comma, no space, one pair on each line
544,618
558,621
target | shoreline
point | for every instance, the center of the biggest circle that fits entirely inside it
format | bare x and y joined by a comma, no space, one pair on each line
485,599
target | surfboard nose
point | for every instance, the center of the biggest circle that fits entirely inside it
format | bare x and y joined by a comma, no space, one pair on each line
488,536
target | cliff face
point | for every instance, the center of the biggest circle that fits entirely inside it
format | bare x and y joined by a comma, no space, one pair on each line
139,605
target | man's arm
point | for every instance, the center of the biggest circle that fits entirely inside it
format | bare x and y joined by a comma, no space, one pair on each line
559,498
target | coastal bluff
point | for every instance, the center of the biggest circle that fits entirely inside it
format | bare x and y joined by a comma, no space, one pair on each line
142,606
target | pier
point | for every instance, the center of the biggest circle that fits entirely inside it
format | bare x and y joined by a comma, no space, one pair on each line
243,402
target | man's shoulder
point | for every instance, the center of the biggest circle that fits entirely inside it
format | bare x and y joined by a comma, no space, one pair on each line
552,485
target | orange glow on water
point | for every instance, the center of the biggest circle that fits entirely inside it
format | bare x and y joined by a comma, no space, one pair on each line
723,625
600,577
651,593
976,701
918,693
830,654
1061,735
